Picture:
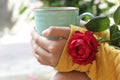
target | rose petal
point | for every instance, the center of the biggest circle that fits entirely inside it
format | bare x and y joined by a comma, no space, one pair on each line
83,47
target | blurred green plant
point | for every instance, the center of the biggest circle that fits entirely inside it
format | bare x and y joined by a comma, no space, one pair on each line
22,8
97,7
114,29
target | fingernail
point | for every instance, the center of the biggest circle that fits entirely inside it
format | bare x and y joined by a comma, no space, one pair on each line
44,33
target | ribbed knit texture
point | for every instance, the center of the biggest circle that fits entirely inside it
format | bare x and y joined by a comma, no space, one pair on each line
106,66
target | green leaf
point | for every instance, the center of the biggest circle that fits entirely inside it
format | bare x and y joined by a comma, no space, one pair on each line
115,38
113,29
116,16
23,9
98,24
109,3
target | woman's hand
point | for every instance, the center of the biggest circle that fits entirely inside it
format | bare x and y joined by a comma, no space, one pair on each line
46,51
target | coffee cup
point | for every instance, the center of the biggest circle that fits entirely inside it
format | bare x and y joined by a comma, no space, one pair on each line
57,16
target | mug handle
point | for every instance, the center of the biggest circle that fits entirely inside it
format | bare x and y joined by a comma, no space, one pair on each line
81,16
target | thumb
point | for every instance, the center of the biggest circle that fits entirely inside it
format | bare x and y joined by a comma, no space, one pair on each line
57,31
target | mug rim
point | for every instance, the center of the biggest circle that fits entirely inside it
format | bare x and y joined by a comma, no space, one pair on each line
56,9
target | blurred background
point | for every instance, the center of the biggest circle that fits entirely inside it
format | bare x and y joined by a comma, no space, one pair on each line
16,22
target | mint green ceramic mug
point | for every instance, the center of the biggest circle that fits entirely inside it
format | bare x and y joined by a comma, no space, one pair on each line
57,16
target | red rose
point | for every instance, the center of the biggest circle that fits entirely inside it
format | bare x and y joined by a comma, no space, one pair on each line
83,47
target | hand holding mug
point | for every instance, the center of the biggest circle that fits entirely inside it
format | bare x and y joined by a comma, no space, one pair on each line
46,51
57,16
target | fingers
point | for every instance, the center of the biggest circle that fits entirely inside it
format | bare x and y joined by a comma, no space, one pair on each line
41,41
41,54
48,51
57,31
43,51
38,50
44,57
47,44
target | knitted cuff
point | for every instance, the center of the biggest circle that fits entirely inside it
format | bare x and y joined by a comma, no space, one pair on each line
65,63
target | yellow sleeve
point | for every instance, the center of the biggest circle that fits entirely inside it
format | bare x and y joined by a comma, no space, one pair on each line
107,63
105,67
65,63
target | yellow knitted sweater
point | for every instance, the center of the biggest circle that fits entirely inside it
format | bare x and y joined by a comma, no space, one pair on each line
106,66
